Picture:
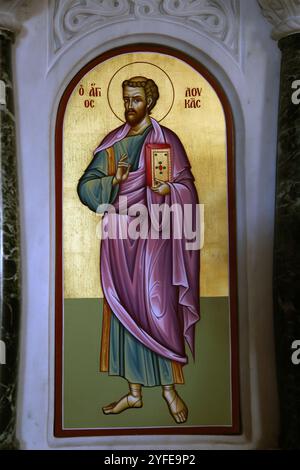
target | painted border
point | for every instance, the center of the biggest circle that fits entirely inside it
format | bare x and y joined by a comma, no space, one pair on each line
236,427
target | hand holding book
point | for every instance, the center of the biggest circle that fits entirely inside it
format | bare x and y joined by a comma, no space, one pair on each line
161,188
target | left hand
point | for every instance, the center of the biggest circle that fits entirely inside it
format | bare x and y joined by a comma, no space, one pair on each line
163,188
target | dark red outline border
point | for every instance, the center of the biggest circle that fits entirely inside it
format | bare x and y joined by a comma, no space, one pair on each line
235,428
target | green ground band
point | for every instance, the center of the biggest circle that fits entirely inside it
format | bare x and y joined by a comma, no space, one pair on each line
207,390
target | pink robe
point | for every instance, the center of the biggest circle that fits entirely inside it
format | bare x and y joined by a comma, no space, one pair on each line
152,285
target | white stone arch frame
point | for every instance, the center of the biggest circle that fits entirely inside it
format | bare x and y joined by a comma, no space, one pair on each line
75,65
217,22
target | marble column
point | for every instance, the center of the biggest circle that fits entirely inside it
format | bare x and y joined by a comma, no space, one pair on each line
9,240
285,17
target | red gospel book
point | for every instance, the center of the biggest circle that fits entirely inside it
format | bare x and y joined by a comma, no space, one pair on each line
158,163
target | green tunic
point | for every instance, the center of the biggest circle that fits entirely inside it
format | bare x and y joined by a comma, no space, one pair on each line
130,359
95,186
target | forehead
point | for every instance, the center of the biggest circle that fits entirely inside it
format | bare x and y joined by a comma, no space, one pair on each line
133,91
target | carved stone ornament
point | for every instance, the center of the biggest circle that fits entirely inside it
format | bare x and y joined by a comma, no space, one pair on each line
9,15
284,15
217,19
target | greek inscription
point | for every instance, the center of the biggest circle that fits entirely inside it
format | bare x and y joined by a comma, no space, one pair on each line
89,103
95,91
192,103
92,92
81,90
193,98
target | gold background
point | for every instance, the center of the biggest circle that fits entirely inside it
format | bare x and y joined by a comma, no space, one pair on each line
203,134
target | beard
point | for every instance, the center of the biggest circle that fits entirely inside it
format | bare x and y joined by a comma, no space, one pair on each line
133,118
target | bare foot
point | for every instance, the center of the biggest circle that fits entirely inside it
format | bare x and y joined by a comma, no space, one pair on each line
177,407
129,401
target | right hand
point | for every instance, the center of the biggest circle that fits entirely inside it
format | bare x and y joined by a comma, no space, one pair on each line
122,170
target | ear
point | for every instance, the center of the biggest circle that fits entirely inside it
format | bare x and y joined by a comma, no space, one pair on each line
149,102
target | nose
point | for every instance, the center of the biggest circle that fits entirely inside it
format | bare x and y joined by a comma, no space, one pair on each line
130,104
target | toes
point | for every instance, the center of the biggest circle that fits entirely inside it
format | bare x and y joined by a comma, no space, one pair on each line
184,416
108,408
177,417
180,417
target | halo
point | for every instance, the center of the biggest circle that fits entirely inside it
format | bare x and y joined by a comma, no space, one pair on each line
161,78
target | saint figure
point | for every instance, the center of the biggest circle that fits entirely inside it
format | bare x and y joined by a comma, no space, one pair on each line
150,284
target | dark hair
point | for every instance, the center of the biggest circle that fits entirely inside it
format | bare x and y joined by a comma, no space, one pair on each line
150,87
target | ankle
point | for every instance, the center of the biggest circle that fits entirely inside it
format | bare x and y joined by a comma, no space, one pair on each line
168,388
135,390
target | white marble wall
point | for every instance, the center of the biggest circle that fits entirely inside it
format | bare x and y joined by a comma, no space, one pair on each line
48,53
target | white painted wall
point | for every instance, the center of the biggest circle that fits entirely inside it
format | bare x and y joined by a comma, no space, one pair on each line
251,80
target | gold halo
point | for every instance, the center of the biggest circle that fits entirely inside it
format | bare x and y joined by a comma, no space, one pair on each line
146,69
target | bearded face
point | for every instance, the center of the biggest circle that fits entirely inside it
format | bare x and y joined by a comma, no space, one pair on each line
135,105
